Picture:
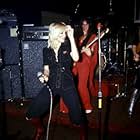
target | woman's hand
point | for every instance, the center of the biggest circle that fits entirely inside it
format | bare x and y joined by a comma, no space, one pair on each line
136,57
87,51
70,31
43,78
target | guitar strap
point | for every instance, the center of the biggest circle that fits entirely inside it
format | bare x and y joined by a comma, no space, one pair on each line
84,43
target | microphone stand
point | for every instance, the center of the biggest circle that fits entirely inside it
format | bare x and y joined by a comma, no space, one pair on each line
12,97
21,65
99,87
124,91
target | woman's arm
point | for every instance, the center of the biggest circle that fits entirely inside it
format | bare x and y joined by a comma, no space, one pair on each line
74,51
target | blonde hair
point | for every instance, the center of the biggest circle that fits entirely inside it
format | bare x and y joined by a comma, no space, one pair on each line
54,30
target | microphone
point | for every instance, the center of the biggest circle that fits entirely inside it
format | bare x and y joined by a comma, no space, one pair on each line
107,30
42,78
39,74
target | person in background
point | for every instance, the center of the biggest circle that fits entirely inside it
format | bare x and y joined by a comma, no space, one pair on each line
87,64
58,58
136,93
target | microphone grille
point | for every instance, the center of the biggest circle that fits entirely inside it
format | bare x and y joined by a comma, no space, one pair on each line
39,74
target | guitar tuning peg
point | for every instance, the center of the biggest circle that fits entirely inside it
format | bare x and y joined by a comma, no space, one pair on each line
107,30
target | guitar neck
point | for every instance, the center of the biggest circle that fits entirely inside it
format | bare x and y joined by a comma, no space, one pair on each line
93,41
96,38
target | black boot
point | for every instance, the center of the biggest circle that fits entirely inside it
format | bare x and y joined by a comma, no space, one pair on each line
39,128
133,101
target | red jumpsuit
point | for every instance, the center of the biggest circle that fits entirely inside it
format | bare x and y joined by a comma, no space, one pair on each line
93,65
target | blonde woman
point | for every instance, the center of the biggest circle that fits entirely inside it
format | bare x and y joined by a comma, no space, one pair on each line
58,58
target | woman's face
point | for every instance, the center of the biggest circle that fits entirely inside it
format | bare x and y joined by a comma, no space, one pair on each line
85,26
61,36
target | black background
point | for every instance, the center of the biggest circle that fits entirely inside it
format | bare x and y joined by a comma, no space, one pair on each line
29,11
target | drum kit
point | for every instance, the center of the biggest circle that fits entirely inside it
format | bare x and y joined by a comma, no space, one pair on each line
116,59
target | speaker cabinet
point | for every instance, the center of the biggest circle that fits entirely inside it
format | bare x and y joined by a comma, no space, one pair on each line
32,58
10,85
10,44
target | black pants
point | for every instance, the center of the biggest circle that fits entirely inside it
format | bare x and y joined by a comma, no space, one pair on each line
40,105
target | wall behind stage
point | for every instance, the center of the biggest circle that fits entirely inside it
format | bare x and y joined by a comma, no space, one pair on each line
49,17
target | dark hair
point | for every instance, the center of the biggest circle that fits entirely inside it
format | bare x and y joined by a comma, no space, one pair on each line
90,31
89,20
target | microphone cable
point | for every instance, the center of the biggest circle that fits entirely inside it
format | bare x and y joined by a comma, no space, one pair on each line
39,74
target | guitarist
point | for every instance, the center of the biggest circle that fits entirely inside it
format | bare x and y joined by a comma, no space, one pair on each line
86,66
136,92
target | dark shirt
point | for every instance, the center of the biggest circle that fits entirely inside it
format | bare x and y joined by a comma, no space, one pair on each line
60,71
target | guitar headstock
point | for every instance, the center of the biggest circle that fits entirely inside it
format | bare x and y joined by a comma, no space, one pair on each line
107,30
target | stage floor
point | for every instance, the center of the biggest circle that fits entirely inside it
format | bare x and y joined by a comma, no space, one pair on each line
115,122
111,122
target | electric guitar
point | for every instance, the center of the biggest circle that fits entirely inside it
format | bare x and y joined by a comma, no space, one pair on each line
103,58
96,38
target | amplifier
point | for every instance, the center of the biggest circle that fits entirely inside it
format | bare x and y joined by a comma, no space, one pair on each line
8,20
35,33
